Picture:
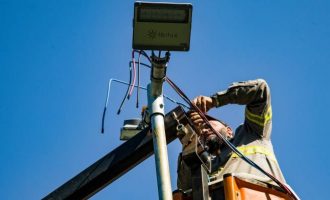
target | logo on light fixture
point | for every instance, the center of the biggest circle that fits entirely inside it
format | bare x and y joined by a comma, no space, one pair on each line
152,34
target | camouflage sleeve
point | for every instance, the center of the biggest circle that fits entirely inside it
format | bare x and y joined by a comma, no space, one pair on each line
255,95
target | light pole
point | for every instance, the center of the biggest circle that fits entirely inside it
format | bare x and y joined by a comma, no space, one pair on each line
163,27
156,109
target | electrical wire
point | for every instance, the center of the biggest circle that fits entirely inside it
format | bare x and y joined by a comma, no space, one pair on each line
229,144
134,75
125,83
138,77
141,64
141,52
107,101
131,75
128,88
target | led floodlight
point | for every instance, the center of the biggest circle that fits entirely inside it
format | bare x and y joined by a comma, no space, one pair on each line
162,26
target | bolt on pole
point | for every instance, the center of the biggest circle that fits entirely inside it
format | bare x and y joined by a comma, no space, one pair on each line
156,109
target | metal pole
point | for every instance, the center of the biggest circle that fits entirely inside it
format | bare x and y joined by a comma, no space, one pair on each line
156,109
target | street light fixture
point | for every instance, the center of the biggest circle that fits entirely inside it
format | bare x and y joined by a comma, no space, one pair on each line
162,26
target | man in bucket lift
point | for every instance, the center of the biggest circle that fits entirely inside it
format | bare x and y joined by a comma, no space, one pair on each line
252,138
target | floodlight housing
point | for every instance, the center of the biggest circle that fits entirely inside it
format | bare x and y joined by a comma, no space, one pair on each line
162,26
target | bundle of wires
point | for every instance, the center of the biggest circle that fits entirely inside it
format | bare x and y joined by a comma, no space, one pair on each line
132,77
131,85
229,144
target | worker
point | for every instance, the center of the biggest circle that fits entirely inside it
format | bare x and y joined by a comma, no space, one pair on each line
252,138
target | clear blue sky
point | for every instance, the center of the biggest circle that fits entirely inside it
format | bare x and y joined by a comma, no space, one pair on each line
56,58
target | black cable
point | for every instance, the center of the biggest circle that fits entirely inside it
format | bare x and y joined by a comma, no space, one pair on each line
103,118
126,94
143,53
130,78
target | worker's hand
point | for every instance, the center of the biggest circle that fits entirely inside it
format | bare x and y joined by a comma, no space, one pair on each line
204,103
196,119
202,128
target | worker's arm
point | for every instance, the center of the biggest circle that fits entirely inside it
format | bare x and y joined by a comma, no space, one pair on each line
254,94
